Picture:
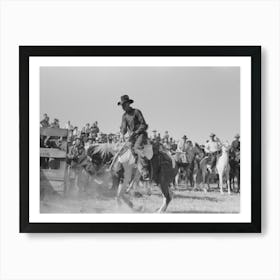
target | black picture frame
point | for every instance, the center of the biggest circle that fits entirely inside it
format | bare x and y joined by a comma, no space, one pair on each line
254,52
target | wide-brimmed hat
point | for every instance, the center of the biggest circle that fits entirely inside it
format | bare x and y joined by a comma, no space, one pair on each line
184,137
124,99
237,135
212,134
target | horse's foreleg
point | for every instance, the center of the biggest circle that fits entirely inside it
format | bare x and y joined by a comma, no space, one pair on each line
194,181
228,182
221,182
121,195
166,197
176,180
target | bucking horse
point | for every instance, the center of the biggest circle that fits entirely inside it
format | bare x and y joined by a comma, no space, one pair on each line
162,166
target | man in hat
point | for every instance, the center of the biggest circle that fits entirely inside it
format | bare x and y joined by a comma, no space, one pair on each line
94,129
76,152
235,145
55,123
134,124
45,121
166,135
212,148
154,136
183,145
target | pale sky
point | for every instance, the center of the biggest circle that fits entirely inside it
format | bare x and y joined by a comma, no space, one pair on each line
182,100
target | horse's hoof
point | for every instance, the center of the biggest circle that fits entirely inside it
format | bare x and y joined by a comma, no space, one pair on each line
139,209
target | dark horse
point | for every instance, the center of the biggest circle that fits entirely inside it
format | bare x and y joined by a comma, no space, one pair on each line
91,166
190,167
234,162
163,170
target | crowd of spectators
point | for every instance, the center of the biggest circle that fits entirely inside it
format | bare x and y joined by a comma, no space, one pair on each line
90,134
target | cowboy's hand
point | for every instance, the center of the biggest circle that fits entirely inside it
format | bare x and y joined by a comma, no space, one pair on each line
132,135
122,138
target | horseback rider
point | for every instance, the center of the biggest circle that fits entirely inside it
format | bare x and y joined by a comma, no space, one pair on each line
235,145
134,123
212,148
183,144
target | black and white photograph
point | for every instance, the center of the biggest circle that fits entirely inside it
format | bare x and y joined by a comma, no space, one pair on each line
124,136
145,139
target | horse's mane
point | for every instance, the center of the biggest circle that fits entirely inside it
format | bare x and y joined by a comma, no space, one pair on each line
104,149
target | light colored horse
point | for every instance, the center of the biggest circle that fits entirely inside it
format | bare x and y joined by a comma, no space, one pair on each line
132,175
222,168
163,171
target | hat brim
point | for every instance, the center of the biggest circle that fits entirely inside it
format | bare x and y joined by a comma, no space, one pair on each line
127,101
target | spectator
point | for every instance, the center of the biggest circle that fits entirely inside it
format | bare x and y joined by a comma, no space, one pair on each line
45,121
69,126
55,123
166,135
94,128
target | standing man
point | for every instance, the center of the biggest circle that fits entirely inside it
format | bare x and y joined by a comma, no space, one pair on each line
134,124
212,148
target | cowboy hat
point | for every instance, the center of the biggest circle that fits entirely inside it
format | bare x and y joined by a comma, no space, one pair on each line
237,135
125,99
212,134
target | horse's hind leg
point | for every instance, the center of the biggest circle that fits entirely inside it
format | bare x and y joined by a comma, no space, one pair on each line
166,197
122,196
228,182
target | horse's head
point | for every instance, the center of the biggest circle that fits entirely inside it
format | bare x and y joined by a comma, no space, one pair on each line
101,153
225,147
199,152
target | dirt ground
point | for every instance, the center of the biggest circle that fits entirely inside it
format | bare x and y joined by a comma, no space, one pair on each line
101,199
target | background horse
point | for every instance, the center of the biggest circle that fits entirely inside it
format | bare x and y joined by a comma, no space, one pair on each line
222,168
188,164
234,162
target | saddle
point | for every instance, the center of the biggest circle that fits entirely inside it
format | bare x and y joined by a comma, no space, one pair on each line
126,154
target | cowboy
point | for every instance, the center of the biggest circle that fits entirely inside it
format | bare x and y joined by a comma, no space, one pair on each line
45,121
55,123
94,129
134,124
68,126
76,152
212,148
183,145
166,135
154,136
235,145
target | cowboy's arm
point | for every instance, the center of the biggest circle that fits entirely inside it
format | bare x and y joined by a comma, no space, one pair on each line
180,147
207,148
219,143
143,126
123,126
